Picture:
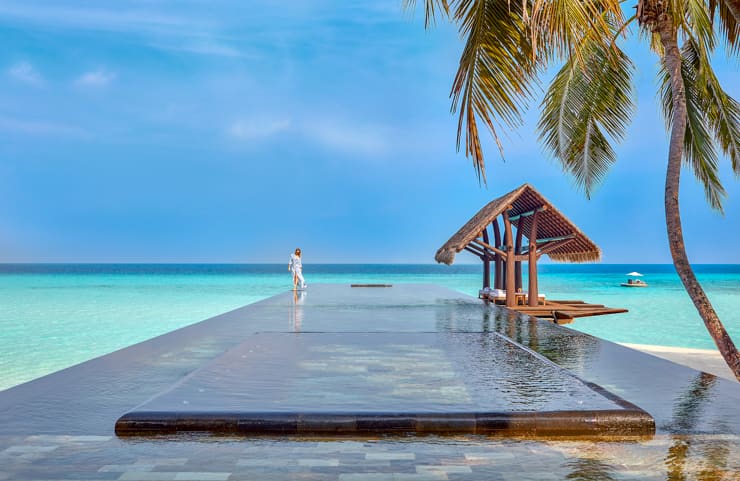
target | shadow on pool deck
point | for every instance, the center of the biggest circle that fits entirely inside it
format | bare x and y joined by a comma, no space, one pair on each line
88,399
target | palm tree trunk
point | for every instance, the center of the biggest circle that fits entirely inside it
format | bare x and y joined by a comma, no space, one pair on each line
672,61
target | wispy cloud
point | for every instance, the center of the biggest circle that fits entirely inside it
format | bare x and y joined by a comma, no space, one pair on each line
26,73
225,28
159,28
207,48
95,79
346,135
40,128
349,136
99,19
255,129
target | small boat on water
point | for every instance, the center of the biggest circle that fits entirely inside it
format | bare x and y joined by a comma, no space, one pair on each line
633,280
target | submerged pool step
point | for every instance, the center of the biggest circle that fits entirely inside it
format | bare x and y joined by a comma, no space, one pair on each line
385,383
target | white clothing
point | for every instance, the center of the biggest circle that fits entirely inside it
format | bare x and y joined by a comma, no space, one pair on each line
296,266
299,275
295,263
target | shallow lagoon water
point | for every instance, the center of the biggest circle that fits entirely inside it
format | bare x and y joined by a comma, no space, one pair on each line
55,316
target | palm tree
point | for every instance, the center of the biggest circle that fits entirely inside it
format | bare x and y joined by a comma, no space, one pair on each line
588,104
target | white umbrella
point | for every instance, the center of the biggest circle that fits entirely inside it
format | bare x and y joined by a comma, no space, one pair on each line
634,274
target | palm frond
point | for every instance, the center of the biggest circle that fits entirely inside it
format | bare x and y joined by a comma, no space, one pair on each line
697,23
496,73
726,23
722,113
587,103
432,8
558,27
699,148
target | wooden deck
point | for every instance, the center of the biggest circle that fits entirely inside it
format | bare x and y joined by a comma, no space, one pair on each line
563,312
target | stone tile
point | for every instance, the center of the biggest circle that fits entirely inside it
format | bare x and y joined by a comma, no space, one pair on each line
490,457
393,477
51,438
318,462
265,462
147,476
452,468
122,468
162,461
390,456
26,449
430,476
202,476
277,476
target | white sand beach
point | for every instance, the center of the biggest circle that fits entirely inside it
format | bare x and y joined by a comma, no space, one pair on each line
707,360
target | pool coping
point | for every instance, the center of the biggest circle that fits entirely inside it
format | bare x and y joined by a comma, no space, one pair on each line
627,422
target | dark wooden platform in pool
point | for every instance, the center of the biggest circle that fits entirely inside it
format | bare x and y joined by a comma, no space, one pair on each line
341,363
564,312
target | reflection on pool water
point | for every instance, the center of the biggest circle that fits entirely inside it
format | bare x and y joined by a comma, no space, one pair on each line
380,372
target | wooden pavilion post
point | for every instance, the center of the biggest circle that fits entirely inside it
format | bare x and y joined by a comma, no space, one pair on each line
510,263
533,293
518,250
498,264
486,262
504,242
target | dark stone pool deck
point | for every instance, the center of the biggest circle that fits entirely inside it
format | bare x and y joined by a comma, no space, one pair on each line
62,426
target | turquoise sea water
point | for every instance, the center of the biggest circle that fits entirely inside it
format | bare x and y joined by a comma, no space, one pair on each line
55,316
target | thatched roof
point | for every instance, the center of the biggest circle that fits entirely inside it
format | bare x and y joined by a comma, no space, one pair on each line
551,223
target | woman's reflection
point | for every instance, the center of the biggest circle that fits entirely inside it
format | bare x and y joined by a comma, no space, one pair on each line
296,312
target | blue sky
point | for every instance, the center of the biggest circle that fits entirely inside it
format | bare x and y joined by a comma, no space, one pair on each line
233,131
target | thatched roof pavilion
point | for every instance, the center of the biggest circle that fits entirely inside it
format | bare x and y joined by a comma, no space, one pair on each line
548,232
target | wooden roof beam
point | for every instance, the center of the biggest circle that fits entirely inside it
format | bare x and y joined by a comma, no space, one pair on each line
479,243
551,247
527,214
473,251
544,242
552,239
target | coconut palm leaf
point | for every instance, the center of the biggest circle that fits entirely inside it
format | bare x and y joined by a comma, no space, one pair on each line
559,27
497,69
699,140
432,8
496,73
697,22
722,113
728,12
587,104
507,44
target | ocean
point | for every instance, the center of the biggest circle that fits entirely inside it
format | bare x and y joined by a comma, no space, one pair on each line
53,316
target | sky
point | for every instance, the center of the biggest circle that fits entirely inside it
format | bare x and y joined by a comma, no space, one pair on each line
235,131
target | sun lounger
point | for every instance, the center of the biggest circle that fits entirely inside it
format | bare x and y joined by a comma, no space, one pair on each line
499,296
495,295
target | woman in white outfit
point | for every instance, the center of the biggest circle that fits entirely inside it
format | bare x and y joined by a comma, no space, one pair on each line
296,267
